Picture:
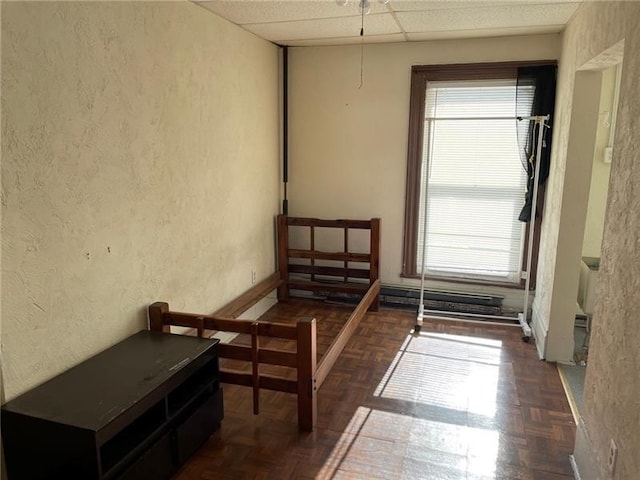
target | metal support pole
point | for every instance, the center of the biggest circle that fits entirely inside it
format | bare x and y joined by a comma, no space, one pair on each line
420,317
523,318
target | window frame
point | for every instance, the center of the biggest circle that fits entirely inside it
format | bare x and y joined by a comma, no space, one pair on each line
420,75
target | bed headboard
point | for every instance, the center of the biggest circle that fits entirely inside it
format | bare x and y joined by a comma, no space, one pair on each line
312,269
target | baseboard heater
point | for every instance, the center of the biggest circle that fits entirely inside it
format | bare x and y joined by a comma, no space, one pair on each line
442,301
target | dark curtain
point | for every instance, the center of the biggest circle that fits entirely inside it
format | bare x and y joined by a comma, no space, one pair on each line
543,78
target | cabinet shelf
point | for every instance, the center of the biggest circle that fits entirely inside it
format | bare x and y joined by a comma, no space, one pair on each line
135,435
190,388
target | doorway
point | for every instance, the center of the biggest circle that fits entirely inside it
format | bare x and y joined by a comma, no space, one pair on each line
573,375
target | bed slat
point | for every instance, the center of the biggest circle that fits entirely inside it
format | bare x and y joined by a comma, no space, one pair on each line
277,330
267,356
181,319
235,378
276,357
267,382
278,384
316,222
234,352
356,288
329,271
338,256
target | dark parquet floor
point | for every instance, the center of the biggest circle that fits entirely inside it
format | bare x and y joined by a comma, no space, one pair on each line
456,402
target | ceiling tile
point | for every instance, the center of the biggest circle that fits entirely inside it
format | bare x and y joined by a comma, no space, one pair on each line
486,17
380,24
489,32
270,11
424,5
394,38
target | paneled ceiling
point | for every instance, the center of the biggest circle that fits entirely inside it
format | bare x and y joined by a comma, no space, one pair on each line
328,22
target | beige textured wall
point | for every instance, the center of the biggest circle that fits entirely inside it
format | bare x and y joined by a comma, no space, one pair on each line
612,390
349,145
139,163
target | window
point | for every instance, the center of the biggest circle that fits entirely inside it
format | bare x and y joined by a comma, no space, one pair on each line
467,177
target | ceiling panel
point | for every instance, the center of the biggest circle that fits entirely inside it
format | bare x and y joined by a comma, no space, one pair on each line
422,5
394,38
489,32
486,17
269,11
378,24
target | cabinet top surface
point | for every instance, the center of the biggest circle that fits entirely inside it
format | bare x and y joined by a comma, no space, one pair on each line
93,393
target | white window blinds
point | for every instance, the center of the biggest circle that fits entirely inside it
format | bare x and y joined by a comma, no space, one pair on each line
473,181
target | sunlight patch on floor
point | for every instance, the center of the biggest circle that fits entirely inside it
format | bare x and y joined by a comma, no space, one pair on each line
446,377
416,445
448,371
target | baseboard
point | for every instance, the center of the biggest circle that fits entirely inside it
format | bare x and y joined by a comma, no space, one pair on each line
574,467
569,394
260,308
539,330
584,459
181,330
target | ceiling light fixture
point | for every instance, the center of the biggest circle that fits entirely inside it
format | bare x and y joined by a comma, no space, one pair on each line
364,8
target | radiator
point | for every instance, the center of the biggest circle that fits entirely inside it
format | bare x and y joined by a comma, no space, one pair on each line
408,298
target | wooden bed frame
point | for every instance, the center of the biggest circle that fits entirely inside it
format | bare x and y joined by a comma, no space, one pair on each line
307,276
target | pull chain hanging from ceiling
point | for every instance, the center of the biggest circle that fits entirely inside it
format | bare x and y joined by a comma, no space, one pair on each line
364,6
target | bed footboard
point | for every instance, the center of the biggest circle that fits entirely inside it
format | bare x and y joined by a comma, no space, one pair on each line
303,359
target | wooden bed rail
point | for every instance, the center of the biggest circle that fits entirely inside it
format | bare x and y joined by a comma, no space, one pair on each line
303,360
338,344
249,298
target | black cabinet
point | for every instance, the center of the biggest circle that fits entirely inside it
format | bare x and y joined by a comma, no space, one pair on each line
136,411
